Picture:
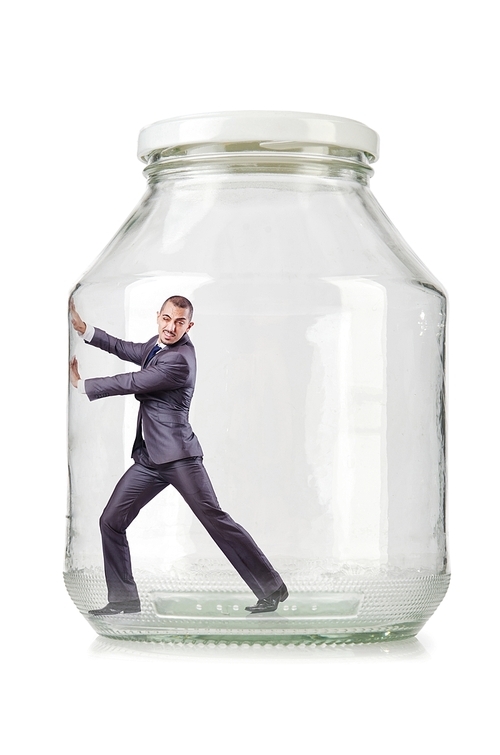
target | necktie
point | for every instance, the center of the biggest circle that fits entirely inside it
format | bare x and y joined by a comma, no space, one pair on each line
151,354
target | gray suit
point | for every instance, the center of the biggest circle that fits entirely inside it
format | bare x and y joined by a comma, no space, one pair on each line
166,452
164,389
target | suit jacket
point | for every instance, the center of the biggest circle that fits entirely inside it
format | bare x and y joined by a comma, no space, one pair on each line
164,389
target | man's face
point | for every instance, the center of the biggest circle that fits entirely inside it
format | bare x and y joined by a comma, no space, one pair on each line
173,322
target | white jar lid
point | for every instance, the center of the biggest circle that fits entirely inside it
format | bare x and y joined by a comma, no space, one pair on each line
258,126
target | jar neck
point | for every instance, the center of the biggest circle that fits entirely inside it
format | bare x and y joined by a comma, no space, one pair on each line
259,157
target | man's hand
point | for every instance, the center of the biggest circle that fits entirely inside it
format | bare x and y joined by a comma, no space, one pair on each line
76,320
74,375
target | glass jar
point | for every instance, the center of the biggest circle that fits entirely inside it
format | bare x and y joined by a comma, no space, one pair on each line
319,409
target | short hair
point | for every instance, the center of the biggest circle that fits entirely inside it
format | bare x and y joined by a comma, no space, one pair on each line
181,302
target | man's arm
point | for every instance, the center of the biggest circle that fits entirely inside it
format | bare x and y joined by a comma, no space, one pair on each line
164,376
126,350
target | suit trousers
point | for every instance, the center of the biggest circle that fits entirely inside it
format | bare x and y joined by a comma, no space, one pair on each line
139,485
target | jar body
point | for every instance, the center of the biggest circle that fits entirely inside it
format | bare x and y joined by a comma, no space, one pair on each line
319,405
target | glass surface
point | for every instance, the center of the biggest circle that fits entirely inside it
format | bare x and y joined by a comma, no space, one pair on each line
319,402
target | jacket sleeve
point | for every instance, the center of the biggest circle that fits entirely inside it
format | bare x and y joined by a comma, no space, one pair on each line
126,350
163,376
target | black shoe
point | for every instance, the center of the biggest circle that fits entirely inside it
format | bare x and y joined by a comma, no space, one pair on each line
112,609
266,605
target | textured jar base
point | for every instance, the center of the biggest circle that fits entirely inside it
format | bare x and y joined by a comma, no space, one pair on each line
354,609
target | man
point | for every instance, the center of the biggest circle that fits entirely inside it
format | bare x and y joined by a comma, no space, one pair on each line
165,452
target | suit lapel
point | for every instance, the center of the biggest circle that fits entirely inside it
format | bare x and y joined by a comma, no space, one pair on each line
153,341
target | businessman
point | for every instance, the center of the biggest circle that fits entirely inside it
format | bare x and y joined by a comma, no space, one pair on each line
165,452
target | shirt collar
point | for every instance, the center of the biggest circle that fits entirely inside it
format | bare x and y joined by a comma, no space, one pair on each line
164,345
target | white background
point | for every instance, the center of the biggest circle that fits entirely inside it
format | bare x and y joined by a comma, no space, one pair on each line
79,81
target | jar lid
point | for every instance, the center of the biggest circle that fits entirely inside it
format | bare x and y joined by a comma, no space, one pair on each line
258,126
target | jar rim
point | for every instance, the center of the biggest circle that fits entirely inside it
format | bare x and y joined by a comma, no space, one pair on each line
261,126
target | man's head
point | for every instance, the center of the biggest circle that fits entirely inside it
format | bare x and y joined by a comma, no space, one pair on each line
174,319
